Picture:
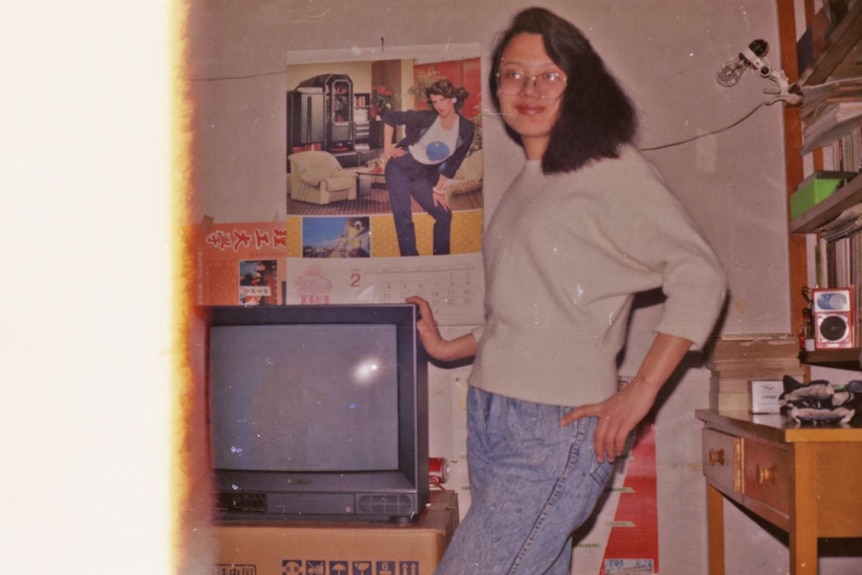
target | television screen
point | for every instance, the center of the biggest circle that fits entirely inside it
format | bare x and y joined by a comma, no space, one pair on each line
316,412
304,397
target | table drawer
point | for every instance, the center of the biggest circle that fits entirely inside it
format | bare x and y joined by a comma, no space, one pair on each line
721,460
768,474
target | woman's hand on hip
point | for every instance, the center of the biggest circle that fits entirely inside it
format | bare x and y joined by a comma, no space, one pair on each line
617,417
619,414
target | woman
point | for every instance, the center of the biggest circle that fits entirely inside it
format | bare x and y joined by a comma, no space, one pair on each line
435,144
586,225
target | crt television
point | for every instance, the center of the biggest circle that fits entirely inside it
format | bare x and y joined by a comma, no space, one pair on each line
317,411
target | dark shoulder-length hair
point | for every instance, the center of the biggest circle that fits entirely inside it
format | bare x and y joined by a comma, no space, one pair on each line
446,89
596,116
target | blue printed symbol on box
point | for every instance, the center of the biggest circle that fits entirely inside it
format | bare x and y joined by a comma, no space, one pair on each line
292,567
315,567
404,568
361,568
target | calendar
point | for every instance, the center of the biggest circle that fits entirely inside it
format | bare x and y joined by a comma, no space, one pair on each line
452,284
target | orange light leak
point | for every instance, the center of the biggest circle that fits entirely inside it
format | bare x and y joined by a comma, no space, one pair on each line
191,543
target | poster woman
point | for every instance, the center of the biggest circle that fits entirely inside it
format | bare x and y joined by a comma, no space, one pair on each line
435,144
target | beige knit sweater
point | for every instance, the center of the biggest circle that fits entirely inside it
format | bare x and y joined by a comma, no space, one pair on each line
564,256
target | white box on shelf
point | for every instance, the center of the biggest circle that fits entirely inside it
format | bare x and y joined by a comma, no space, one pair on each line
765,394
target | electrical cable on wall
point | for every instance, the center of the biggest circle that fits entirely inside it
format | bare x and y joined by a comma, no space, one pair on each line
711,132
750,58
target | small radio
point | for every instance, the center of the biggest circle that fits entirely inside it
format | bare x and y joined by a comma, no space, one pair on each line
833,318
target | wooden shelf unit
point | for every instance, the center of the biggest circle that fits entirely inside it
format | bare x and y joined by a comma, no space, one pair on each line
841,59
840,358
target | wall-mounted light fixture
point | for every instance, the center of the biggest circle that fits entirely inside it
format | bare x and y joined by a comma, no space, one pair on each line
753,58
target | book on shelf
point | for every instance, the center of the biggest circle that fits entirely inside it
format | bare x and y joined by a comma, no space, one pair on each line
738,381
763,369
845,224
753,347
838,120
830,113
830,110
727,401
840,261
729,384
845,152
815,97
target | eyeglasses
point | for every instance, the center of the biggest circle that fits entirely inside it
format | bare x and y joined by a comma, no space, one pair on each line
548,85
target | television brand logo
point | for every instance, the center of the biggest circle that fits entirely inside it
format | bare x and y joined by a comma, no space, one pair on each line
292,481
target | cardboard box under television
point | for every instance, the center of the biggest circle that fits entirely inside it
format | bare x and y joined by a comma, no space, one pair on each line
338,548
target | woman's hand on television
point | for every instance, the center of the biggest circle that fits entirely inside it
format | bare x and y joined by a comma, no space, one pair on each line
435,345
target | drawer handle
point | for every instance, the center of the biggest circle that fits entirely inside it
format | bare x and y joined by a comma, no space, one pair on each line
765,474
716,457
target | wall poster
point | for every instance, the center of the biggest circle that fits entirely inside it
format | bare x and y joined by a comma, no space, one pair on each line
239,263
374,214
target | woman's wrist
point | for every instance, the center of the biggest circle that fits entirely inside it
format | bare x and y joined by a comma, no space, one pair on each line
438,190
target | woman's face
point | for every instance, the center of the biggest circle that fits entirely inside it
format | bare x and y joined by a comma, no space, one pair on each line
527,113
442,105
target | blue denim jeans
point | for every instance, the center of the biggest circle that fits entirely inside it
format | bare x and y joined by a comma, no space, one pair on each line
532,483
406,178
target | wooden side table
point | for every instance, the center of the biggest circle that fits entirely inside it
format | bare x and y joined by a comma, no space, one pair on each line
787,474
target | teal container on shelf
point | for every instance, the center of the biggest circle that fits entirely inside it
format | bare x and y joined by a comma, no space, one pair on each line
816,188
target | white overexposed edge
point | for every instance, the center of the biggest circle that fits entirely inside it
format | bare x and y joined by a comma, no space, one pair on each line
85,303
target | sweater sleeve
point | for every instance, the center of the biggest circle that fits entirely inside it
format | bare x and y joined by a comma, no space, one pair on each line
658,232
